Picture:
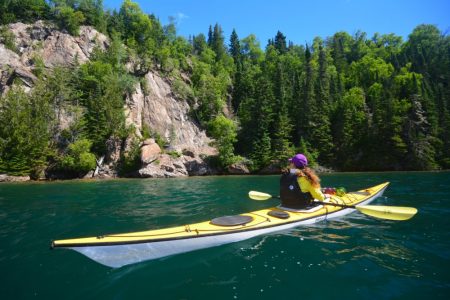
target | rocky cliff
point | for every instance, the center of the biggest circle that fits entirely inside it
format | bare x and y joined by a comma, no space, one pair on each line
43,41
157,109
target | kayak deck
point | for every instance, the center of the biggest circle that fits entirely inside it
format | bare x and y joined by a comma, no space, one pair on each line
261,219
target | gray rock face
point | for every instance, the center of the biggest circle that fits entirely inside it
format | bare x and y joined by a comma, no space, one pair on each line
150,151
168,117
238,169
165,115
167,166
6,178
157,108
54,47
11,68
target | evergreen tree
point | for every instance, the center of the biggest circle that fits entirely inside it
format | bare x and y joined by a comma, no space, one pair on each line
350,128
306,100
281,145
24,132
199,44
417,132
94,13
210,36
235,51
103,96
217,43
235,47
26,11
321,136
256,118
68,18
223,130
280,43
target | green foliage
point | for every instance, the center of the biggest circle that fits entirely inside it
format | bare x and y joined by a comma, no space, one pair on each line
26,11
199,44
183,90
24,132
138,27
103,91
350,126
7,38
174,154
369,70
347,101
93,13
130,161
210,89
68,18
78,160
223,130
312,155
39,66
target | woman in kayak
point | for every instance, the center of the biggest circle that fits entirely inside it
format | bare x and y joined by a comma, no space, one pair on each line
299,186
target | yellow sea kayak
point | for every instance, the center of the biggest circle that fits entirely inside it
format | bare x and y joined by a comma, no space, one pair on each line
116,250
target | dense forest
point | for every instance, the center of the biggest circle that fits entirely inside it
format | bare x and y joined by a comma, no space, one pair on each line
350,102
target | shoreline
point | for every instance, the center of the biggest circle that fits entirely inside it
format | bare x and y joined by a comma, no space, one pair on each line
5,179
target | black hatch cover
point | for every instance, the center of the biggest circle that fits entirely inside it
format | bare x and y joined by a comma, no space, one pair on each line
278,214
231,220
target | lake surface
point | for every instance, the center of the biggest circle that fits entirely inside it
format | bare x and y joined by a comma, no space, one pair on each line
356,257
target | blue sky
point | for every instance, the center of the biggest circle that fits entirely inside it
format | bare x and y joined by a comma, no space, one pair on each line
300,21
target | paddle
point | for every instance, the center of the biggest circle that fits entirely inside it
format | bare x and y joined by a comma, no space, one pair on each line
397,213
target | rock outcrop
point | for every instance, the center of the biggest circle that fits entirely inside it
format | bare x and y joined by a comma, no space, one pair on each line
56,48
6,178
165,115
43,41
11,68
168,117
175,164
238,169
150,151
151,105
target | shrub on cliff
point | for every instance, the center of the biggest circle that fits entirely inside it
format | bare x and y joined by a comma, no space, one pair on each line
78,160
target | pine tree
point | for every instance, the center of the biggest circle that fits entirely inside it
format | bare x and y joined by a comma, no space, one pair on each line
199,44
417,133
306,100
280,43
281,145
217,43
235,48
235,51
256,118
321,133
210,37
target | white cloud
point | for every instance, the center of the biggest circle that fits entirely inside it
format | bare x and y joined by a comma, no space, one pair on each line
180,17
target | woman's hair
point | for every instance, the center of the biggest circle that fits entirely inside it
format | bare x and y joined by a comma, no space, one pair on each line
311,176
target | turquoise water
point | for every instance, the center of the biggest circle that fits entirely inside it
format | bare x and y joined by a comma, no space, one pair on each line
356,257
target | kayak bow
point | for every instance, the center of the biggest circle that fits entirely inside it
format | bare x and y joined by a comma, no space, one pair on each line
117,250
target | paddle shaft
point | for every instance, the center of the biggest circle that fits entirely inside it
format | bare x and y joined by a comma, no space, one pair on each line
335,204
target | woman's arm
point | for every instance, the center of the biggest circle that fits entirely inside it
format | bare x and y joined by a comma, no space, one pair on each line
306,186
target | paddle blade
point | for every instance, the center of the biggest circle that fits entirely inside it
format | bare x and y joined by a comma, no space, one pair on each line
396,213
259,196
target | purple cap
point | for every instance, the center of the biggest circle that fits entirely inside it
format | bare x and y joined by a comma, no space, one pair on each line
299,160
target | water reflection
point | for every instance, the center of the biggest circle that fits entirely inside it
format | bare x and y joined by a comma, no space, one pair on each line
347,241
